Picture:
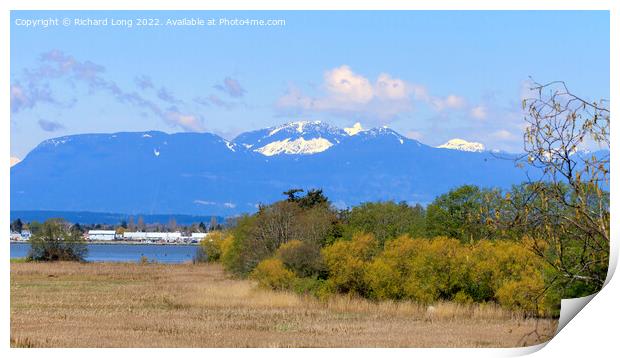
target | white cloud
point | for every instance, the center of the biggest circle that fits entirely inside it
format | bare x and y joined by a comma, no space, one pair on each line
420,93
232,87
56,65
346,86
27,97
204,202
391,88
450,102
350,94
295,98
186,121
503,134
479,112
230,205
18,98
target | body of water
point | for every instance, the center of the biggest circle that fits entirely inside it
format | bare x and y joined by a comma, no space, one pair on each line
125,253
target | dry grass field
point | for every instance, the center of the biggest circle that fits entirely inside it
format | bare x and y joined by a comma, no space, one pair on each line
154,305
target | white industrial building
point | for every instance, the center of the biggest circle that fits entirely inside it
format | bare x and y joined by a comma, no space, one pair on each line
20,236
152,236
134,235
15,236
198,236
101,235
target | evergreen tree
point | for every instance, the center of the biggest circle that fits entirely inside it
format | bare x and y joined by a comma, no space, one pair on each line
17,226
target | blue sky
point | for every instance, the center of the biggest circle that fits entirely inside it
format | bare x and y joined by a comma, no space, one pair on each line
431,76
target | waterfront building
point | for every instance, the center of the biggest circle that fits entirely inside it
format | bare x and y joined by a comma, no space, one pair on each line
101,235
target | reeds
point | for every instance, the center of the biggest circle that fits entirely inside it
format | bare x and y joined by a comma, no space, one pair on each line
131,305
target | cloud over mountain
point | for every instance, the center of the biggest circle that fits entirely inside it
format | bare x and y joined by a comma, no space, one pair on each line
50,126
232,87
344,92
33,88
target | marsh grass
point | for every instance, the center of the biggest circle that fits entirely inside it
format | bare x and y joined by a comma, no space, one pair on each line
68,304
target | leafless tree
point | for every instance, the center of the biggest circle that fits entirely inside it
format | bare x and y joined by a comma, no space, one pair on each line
567,207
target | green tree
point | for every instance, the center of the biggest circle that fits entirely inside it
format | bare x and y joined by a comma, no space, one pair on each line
17,225
34,227
258,236
77,228
55,241
302,257
313,197
291,194
239,255
466,213
386,220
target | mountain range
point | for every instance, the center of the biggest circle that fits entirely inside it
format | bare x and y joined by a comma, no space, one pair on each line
205,174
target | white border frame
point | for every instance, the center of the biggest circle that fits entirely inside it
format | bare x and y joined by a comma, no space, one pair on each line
592,332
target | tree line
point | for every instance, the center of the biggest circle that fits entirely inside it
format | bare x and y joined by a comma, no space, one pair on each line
34,226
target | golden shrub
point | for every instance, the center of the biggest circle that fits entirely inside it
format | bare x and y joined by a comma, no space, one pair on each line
212,245
525,293
272,273
384,280
346,262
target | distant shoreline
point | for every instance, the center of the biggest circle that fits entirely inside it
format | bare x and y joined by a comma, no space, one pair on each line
120,242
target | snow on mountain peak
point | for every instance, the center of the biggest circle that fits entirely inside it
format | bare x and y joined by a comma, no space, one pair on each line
15,160
357,127
298,126
297,146
310,137
300,137
463,145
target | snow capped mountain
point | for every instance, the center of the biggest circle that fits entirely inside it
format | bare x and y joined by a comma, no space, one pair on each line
203,173
305,137
357,127
302,137
463,145
297,146
385,131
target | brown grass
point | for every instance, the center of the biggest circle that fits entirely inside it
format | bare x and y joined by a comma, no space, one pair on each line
133,305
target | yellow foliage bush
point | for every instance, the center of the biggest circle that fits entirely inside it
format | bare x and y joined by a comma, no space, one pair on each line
384,280
386,274
231,250
225,246
347,261
436,270
212,245
422,270
272,273
426,271
492,264
525,293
